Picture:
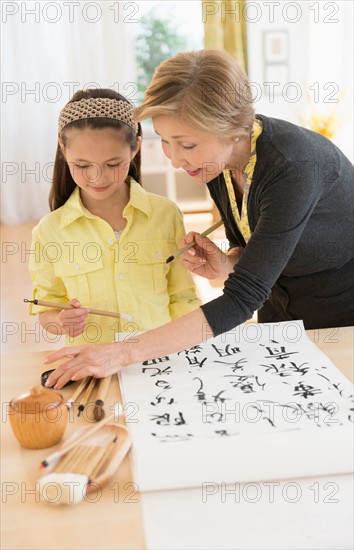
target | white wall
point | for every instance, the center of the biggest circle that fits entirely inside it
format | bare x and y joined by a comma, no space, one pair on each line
50,51
320,60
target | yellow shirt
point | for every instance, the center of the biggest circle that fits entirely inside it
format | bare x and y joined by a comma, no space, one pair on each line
242,218
75,254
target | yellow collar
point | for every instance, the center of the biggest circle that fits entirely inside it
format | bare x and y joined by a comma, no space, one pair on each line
74,209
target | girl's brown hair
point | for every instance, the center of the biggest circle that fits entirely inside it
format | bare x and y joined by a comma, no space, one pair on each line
207,89
63,184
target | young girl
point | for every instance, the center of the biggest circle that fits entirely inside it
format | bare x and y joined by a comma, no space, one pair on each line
105,243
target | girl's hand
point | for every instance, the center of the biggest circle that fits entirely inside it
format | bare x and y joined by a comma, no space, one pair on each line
98,361
73,321
205,258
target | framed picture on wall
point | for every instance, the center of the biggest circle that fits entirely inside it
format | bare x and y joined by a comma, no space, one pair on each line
276,46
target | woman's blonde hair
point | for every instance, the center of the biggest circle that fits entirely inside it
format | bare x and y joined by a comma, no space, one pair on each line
206,89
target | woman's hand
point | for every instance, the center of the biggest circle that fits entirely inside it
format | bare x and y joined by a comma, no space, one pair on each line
205,258
98,361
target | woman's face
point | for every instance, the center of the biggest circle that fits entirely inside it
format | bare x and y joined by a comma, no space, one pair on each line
202,155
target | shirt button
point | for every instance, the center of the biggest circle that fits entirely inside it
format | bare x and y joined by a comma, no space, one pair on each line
121,276
110,241
157,254
77,266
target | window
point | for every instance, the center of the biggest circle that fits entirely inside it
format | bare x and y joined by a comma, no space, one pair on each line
163,30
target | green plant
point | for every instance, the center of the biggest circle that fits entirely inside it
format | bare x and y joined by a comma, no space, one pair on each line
157,40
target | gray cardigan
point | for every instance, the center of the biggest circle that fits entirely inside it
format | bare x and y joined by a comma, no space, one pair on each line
299,261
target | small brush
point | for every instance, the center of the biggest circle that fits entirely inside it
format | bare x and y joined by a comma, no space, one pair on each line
188,246
98,410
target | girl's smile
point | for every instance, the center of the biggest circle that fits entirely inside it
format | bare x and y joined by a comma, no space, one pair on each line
100,189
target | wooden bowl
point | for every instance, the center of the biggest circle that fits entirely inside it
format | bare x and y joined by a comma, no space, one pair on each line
38,418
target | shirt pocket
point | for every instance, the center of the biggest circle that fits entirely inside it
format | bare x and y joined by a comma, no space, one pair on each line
151,268
84,281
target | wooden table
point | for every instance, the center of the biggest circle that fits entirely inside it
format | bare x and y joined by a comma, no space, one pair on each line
108,520
112,519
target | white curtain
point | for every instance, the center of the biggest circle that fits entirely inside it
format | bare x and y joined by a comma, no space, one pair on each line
50,50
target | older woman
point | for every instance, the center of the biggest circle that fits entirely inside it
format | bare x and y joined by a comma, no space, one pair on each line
285,195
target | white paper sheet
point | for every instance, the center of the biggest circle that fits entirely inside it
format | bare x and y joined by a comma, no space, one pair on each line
259,402
308,514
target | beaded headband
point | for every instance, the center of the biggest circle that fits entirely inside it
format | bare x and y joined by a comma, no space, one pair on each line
101,107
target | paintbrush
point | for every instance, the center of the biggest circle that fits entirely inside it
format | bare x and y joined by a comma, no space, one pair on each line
103,459
188,246
79,390
57,305
85,398
103,386
84,434
74,475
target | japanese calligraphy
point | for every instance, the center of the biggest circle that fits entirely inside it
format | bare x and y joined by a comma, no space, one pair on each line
229,386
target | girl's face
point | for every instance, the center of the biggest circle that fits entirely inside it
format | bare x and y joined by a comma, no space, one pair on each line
202,155
99,162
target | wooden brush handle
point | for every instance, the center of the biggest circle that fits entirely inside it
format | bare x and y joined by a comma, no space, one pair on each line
57,305
92,461
103,459
72,458
89,389
83,459
79,390
102,390
86,432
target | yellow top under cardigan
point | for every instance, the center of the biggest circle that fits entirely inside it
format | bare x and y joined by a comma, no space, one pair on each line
242,218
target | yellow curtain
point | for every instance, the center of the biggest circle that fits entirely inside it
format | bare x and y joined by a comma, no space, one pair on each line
225,28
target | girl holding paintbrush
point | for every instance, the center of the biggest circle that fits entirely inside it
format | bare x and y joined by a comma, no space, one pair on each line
285,195
104,245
